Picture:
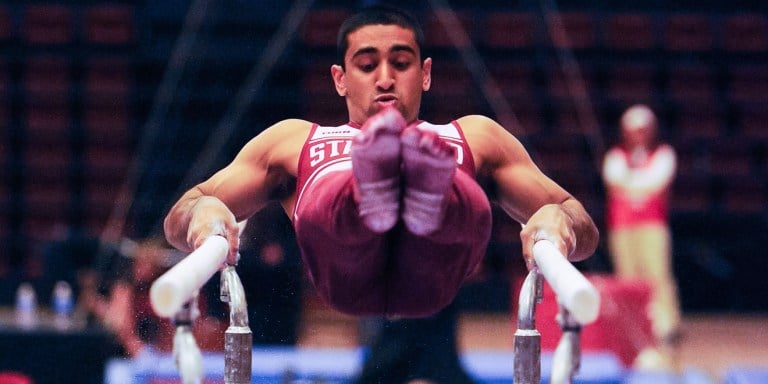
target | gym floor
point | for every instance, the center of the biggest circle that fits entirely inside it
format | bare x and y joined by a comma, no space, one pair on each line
712,343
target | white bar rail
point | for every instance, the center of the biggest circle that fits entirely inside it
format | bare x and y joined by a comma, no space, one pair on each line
573,290
179,284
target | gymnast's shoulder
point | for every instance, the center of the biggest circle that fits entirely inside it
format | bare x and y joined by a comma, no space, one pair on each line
288,128
283,132
482,130
279,142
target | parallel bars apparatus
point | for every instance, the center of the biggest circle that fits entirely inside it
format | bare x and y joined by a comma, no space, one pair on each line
173,295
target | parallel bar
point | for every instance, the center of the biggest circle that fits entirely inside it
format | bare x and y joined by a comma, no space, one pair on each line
177,286
573,290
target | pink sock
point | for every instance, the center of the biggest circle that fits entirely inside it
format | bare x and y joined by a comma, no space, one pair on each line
376,167
429,165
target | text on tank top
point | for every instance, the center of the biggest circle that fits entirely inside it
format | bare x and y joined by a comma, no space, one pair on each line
327,149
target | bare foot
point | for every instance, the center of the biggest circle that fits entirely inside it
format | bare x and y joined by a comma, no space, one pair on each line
429,165
376,166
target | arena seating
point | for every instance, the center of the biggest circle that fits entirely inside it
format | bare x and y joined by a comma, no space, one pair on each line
79,68
78,82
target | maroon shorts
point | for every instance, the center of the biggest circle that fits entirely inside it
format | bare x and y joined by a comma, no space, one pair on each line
396,273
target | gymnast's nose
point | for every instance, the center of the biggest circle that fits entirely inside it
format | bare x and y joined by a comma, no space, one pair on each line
385,80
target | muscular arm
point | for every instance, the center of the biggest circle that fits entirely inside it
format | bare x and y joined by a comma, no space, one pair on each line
528,195
237,191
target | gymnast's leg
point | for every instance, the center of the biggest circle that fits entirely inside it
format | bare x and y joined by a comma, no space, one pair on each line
428,271
346,260
447,232
339,228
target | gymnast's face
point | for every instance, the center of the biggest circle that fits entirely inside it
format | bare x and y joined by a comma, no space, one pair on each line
638,127
382,67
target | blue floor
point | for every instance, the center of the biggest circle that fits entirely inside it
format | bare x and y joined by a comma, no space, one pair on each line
746,375
339,366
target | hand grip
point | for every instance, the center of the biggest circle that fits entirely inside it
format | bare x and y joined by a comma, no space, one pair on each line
573,290
179,284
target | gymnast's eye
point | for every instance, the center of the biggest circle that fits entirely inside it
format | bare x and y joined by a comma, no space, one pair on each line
367,67
366,62
401,64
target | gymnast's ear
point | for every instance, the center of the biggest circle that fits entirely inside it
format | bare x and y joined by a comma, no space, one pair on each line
426,74
337,73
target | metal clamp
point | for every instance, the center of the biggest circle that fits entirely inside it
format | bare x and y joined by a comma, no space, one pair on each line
186,354
237,337
527,346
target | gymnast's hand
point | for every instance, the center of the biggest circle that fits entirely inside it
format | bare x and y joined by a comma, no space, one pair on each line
210,217
550,222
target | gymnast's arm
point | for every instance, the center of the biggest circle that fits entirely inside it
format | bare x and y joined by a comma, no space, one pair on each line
236,192
528,195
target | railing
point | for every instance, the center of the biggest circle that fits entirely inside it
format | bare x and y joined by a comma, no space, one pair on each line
579,305
174,295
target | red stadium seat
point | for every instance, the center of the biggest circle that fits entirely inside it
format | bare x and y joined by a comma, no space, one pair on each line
451,78
317,79
6,87
47,77
109,24
688,32
321,26
562,153
511,30
108,79
746,32
631,83
745,195
435,34
107,166
572,30
326,107
560,83
691,82
47,122
751,121
49,162
699,121
6,25
528,114
47,24
514,78
568,118
630,31
47,193
691,192
747,83
108,125
730,158
100,199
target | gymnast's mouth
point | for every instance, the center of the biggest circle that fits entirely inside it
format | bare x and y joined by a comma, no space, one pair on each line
386,99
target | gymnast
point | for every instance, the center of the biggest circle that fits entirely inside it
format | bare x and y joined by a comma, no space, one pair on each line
387,211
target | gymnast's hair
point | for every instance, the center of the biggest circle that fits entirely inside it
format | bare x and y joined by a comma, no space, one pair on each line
377,15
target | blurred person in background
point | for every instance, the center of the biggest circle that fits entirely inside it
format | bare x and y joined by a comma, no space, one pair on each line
638,173
118,298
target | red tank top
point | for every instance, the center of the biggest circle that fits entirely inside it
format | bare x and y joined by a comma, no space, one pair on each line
624,210
327,149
